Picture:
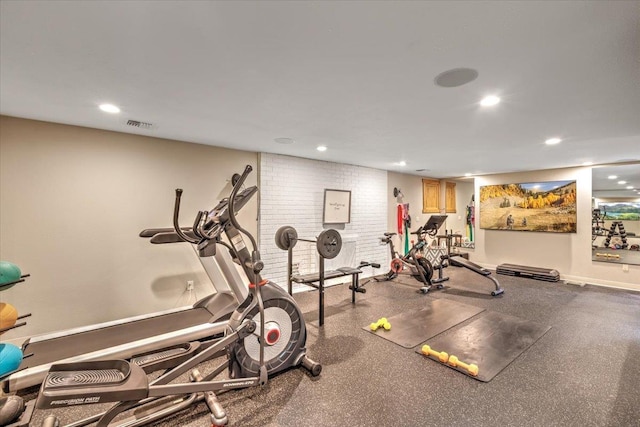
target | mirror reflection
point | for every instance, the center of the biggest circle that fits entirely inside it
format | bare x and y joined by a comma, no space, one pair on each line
615,215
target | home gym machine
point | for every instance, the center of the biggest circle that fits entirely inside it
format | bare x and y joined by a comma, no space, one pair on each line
418,266
597,223
265,335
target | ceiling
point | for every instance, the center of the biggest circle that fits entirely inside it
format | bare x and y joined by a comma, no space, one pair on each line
605,186
357,77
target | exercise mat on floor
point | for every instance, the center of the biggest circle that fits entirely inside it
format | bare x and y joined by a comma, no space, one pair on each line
491,343
414,327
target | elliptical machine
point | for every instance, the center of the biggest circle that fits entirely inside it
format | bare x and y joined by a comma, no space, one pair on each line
265,335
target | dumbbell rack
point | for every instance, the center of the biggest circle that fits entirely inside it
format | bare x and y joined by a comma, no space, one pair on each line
612,232
6,286
23,419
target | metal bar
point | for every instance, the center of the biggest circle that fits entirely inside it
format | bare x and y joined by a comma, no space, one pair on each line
202,386
321,292
201,357
290,270
354,284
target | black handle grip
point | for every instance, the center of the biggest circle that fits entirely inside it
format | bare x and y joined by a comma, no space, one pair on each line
176,213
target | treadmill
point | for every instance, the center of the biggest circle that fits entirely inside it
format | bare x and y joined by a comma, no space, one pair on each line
126,338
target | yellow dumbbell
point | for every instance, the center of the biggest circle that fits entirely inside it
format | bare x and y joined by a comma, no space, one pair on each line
441,355
381,323
471,368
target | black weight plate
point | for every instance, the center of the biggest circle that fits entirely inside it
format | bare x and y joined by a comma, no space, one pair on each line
286,237
329,243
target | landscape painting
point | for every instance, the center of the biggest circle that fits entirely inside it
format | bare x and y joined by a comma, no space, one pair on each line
548,206
620,211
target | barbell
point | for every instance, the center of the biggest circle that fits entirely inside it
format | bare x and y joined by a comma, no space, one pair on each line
328,243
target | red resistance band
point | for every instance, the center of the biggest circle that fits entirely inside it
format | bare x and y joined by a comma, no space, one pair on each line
252,285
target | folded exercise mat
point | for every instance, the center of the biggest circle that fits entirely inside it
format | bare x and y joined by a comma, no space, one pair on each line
414,327
490,342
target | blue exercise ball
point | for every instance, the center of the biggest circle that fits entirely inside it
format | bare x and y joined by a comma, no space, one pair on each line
10,358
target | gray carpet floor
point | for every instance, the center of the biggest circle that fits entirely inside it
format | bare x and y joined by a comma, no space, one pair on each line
584,372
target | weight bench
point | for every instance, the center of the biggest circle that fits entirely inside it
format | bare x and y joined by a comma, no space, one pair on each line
312,278
316,280
328,244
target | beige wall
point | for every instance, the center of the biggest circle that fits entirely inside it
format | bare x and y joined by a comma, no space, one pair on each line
72,202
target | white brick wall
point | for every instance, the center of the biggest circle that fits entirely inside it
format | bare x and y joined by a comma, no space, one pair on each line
292,193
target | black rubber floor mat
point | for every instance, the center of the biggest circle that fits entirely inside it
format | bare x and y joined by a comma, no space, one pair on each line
491,343
414,327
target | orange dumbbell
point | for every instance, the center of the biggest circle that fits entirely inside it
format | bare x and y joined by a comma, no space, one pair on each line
472,369
441,355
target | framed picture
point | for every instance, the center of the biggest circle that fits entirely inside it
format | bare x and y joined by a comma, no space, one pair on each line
533,206
337,207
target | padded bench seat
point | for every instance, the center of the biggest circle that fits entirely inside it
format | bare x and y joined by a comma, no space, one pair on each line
330,274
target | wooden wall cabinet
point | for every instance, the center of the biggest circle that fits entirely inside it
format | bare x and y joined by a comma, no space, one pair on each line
450,197
430,196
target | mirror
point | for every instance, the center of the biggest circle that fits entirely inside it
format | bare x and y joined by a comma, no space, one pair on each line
615,215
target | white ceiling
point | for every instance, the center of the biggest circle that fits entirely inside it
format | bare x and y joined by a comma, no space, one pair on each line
357,77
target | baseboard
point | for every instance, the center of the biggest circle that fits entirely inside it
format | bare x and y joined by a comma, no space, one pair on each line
577,280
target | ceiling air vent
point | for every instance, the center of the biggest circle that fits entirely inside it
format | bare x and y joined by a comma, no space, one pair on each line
139,124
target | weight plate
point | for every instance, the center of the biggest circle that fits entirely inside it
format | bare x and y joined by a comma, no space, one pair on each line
329,243
286,237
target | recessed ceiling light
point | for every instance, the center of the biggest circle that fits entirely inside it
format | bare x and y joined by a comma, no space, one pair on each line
622,182
629,187
284,141
612,176
489,101
321,148
467,174
109,108
553,141
587,164
402,163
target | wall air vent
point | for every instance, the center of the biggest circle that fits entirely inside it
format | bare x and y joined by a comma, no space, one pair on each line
140,125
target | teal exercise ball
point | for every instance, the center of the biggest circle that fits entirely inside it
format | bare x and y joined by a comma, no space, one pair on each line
9,272
10,358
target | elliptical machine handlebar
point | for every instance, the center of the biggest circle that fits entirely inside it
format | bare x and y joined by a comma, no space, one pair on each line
176,213
256,263
208,225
